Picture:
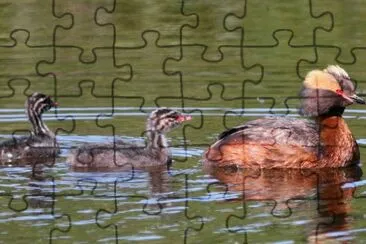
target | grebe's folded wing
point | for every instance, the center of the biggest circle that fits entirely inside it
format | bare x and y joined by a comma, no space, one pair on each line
281,130
231,131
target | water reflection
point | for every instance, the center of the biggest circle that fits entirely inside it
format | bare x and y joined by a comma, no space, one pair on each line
293,189
38,187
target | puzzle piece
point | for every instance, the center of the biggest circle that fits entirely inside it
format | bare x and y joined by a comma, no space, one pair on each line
148,74
84,17
343,19
219,201
35,18
22,57
157,220
14,93
273,80
211,31
128,195
108,107
230,71
259,31
29,200
82,215
106,73
131,19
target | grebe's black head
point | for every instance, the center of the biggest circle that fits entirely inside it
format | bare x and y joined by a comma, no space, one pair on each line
163,120
327,92
39,103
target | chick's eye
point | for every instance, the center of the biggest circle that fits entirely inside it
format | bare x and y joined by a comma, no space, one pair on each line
175,119
174,116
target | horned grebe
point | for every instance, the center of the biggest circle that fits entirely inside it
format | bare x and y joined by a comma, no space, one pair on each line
281,142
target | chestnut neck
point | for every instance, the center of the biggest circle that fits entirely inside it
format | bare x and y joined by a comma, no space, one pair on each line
332,123
332,127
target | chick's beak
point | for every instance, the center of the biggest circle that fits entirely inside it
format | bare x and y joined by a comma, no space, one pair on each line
53,104
182,118
357,99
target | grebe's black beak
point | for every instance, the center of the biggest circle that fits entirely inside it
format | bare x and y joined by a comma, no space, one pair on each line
357,99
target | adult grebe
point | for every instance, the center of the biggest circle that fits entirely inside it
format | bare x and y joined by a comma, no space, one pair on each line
281,142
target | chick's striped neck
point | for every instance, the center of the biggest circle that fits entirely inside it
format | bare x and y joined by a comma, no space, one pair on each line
35,117
155,138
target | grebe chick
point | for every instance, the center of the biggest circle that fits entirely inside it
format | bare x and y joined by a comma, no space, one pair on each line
123,154
42,141
280,142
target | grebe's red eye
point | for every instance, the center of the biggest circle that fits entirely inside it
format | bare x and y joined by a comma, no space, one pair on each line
339,92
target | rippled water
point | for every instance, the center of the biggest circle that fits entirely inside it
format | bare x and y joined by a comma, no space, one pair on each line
186,203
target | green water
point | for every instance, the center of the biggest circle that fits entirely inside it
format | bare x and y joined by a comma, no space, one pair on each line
186,54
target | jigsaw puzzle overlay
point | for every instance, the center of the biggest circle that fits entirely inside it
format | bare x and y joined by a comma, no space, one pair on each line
92,75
